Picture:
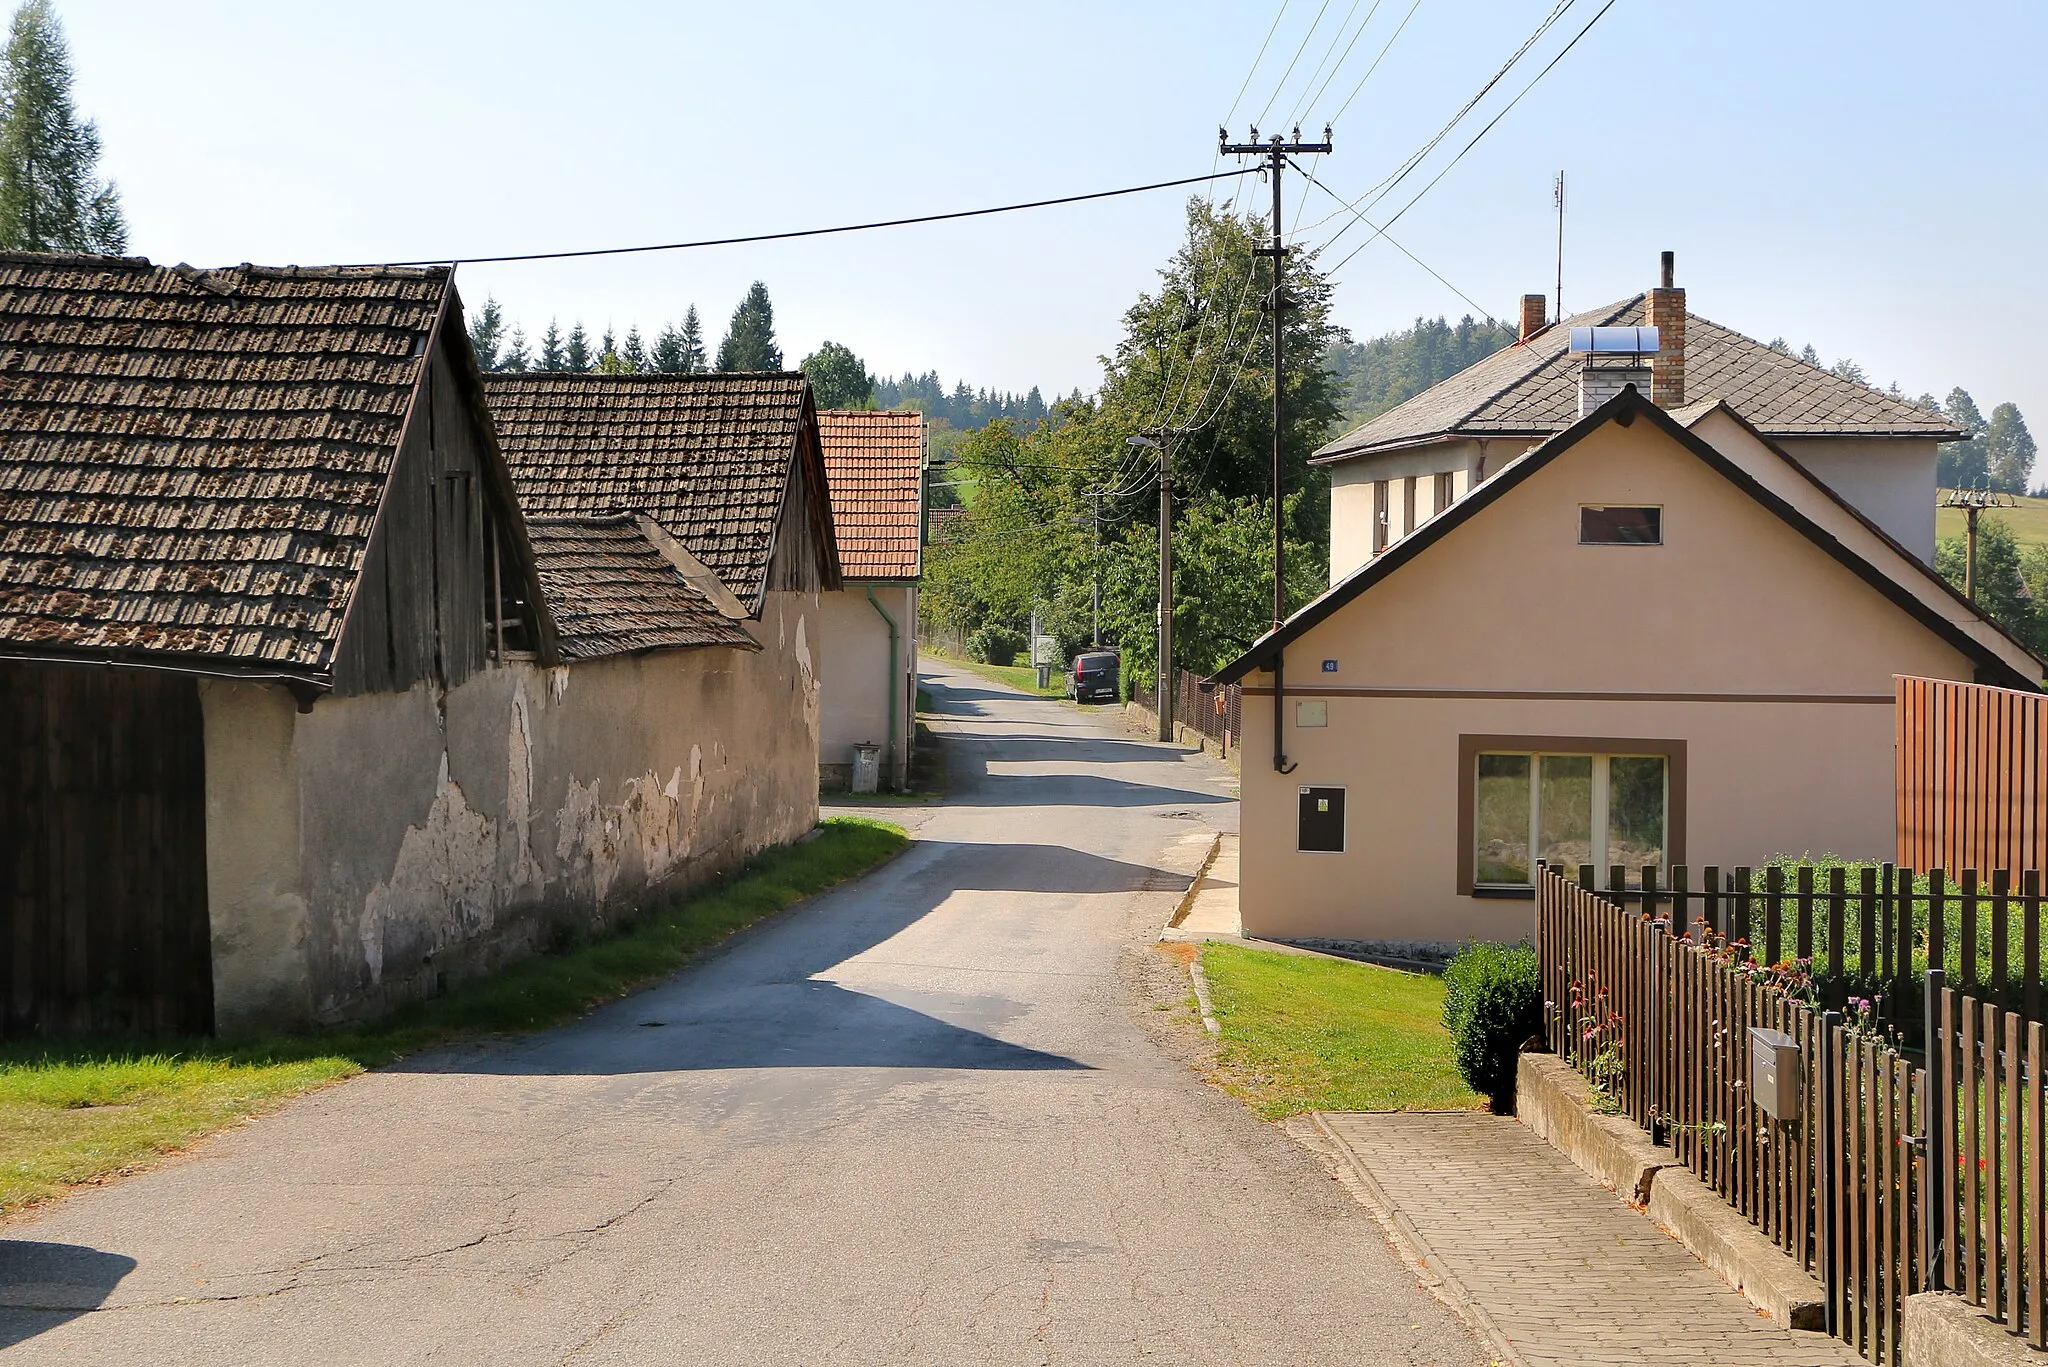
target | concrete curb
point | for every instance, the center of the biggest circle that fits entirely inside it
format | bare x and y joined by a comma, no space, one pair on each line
1944,1330
1415,1250
1187,899
1557,1105
1202,998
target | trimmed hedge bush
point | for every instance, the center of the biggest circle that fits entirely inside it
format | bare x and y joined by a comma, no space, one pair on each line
1493,1004
994,645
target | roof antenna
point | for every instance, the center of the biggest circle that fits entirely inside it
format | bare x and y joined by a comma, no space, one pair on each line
1557,195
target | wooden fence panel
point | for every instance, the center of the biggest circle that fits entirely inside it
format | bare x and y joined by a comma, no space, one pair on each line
1972,764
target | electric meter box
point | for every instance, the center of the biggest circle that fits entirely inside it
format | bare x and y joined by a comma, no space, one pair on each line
1774,1072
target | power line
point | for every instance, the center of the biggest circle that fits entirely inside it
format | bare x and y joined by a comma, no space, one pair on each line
1376,62
1407,168
812,232
1278,15
1328,52
1308,106
1381,231
1290,65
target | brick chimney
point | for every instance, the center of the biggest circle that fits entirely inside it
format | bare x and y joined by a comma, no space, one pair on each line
1535,315
1665,312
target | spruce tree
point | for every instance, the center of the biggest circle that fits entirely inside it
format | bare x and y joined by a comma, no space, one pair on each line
667,356
2008,449
749,343
517,356
487,335
634,353
552,354
695,361
51,196
576,355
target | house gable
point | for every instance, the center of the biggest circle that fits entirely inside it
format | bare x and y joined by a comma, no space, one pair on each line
1747,596
875,462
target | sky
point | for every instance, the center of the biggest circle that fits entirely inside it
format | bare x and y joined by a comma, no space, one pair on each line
1863,175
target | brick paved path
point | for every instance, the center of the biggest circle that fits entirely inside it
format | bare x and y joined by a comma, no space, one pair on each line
1566,1273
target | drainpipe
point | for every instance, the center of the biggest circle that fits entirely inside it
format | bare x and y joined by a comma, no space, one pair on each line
1280,764
895,684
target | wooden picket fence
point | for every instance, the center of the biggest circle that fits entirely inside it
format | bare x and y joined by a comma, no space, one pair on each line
1864,1185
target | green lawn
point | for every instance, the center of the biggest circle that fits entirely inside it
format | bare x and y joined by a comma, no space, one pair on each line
1313,1034
74,1112
1016,676
2028,521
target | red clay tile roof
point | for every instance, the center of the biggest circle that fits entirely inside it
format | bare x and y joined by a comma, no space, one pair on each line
191,461
874,463
706,456
612,592
1532,389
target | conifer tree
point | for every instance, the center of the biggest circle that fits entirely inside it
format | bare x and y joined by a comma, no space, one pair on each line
51,196
1962,464
487,335
517,356
667,356
695,362
553,356
634,352
749,343
576,354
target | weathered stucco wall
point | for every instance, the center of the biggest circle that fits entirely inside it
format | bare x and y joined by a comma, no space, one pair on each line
425,837
856,695
1738,636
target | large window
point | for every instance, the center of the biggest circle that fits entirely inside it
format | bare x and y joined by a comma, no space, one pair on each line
1530,800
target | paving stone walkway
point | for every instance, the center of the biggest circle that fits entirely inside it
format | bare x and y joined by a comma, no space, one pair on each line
1556,1267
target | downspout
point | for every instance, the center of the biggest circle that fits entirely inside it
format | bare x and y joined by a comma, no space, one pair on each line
894,682
1280,764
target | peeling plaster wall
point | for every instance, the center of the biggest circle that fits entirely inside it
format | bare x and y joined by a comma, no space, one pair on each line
440,834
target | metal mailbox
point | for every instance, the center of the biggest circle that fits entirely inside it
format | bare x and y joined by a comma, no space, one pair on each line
1774,1072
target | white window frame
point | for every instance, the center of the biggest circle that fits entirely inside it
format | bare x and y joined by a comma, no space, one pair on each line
1599,806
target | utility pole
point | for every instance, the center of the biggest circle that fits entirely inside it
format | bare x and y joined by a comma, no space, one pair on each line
1277,149
1161,440
1095,497
1557,193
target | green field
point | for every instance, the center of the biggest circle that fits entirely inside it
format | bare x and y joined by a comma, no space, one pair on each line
2029,521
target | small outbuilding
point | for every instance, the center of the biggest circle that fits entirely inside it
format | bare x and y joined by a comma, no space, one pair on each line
300,716
875,463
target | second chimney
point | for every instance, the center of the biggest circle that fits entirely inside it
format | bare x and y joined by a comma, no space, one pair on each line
1535,315
1665,311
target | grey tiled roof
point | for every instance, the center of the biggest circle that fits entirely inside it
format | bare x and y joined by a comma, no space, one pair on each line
706,456
191,461
1532,389
612,592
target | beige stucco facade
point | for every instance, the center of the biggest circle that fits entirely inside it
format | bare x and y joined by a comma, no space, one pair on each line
1740,639
871,695
378,847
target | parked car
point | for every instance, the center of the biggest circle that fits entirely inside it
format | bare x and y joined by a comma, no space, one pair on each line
1094,678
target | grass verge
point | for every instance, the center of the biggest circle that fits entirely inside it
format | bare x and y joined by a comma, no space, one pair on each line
1021,677
1310,1034
77,1112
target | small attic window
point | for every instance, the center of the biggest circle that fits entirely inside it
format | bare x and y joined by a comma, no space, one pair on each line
1608,524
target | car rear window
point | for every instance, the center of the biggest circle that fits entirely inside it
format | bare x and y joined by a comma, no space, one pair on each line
1089,664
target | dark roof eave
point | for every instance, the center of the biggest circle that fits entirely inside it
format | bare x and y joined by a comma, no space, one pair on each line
1337,457
172,662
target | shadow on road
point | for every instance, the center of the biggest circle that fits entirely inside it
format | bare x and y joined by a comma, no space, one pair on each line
770,1000
44,1285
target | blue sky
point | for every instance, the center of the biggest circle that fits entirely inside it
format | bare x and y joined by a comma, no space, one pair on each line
1863,176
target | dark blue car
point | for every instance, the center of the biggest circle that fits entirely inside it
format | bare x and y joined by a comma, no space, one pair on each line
1093,678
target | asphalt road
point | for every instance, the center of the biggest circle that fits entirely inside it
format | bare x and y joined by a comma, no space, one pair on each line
918,1120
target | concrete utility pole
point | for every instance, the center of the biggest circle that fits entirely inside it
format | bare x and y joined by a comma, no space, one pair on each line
1165,690
1095,497
1277,149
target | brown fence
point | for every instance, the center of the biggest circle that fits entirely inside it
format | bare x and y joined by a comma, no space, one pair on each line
1215,712
1885,1176
1972,776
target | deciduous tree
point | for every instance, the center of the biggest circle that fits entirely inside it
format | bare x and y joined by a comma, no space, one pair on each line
838,379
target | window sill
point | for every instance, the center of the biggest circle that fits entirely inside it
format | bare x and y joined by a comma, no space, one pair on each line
1506,894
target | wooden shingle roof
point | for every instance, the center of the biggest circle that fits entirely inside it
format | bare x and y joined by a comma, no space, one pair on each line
874,463
611,591
191,461
1532,389
706,456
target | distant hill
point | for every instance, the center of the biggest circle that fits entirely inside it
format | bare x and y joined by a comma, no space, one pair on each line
1375,375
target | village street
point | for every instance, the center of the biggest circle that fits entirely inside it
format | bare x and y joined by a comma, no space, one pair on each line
916,1120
